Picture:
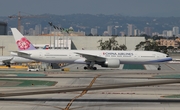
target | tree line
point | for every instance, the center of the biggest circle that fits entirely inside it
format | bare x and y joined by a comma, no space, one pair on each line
112,44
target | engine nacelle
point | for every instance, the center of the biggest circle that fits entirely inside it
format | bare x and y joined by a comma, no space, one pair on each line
111,63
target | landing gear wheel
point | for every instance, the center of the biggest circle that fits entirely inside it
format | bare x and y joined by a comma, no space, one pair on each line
85,68
8,65
94,68
159,68
91,68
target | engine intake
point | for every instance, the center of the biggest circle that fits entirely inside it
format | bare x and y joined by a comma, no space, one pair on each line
111,63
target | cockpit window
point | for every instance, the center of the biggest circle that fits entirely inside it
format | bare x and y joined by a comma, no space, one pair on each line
167,55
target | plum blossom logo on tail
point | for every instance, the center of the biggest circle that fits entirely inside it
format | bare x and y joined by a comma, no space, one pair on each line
23,44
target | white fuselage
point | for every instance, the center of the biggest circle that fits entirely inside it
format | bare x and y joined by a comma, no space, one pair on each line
71,56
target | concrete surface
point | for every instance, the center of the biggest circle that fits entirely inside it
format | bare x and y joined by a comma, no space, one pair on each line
132,98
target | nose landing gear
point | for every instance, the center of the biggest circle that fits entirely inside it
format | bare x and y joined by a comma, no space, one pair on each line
159,67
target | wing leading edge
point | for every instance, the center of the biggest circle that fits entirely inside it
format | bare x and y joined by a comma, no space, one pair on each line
91,57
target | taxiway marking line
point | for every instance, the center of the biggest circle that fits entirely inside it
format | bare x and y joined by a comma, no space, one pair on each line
82,93
170,67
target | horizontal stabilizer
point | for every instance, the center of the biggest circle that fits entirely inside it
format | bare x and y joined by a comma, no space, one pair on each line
7,60
21,54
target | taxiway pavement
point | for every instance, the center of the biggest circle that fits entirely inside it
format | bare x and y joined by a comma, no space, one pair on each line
157,97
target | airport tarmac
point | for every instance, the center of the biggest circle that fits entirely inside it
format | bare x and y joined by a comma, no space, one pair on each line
157,97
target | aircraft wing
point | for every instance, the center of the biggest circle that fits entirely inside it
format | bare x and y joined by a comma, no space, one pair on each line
22,92
91,57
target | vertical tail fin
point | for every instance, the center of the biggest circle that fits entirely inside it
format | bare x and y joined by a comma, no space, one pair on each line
21,41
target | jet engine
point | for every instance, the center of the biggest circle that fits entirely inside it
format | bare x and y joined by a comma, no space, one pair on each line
111,63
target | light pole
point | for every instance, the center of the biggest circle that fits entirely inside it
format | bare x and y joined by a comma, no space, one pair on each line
54,35
2,47
55,27
50,23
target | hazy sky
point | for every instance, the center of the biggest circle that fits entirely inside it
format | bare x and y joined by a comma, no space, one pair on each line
63,7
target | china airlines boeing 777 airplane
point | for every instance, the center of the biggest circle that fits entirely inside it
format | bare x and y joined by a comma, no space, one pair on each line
105,58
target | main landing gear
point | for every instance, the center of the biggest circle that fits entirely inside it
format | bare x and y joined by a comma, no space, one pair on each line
159,67
90,66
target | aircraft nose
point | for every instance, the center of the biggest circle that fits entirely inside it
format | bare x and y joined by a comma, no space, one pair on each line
169,58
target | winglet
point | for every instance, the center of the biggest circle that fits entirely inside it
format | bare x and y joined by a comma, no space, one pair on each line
21,41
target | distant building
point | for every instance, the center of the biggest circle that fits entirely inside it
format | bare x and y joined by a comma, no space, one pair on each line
169,33
93,31
175,31
105,33
109,30
79,33
122,33
155,34
59,44
130,29
3,28
115,30
167,43
148,31
164,33
45,30
22,29
136,32
38,30
31,31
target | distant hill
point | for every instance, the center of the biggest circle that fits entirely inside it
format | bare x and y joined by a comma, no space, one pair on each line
84,22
